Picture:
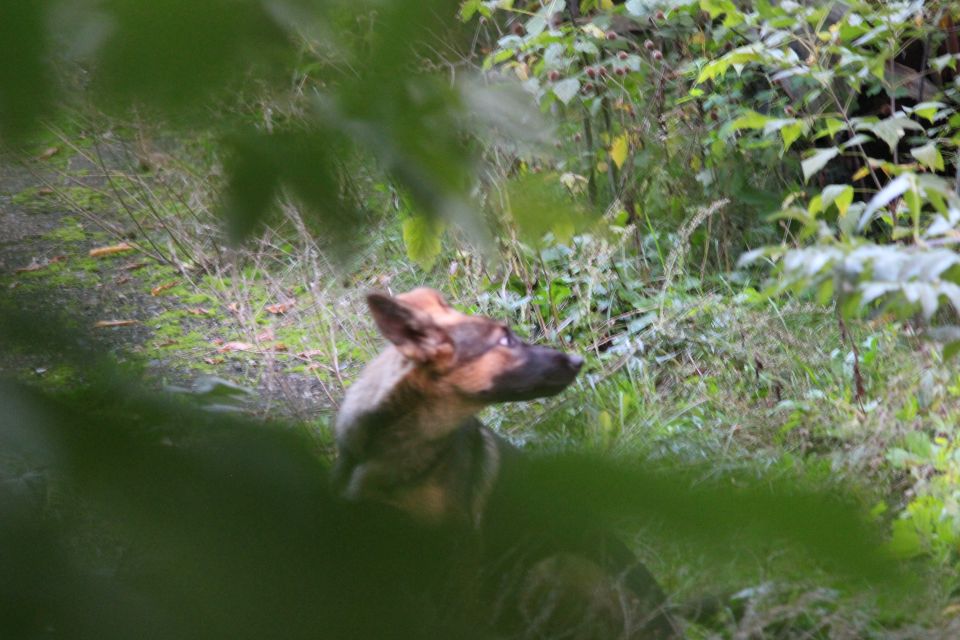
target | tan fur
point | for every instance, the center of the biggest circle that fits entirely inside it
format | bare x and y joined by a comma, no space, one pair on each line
402,424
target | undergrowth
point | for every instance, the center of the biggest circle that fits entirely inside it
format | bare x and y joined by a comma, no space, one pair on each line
681,364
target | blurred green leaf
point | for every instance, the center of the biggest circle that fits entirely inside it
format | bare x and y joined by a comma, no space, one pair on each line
422,237
929,155
177,54
25,79
818,161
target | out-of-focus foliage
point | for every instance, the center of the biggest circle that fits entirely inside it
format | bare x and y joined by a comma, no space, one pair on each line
125,514
130,513
340,80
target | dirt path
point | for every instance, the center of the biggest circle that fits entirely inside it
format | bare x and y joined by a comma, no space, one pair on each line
143,313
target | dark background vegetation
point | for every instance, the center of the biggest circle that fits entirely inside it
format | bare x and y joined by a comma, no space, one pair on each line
742,214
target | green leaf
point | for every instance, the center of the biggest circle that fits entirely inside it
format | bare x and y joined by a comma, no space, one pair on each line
422,237
893,189
928,110
951,350
25,82
469,8
817,161
618,150
791,132
929,156
713,69
717,8
565,90
750,120
892,129
840,195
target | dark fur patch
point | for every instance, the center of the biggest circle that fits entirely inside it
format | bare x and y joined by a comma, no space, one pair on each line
473,339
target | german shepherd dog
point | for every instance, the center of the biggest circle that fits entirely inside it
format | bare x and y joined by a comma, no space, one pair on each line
407,436
406,433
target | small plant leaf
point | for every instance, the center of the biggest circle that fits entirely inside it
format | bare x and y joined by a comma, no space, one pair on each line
894,189
421,236
929,156
840,195
817,161
565,90
618,150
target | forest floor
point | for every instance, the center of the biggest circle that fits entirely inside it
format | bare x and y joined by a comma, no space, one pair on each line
67,249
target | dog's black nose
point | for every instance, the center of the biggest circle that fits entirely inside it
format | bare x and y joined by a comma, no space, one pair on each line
574,361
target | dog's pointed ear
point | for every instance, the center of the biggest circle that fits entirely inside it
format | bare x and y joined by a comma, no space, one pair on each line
413,332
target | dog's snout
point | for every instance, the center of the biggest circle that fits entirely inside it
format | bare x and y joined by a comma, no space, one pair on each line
574,361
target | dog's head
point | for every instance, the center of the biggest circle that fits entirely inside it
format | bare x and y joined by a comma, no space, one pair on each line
476,357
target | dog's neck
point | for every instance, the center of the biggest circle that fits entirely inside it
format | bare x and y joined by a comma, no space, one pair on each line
391,429
399,432
393,396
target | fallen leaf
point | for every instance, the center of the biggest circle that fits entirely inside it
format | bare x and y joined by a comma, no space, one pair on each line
121,280
280,308
199,311
133,266
233,307
163,287
45,191
100,324
306,355
48,153
33,266
166,343
312,367
108,251
213,360
36,265
217,341
265,335
236,346
280,347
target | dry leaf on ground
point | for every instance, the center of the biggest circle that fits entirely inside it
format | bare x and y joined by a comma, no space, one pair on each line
236,346
37,265
100,324
157,290
111,250
48,153
280,308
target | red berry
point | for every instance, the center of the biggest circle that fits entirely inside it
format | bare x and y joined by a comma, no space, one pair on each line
623,55
587,88
518,29
603,72
789,110
591,72
648,45
657,54
553,75
611,35
577,137
659,15
620,71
